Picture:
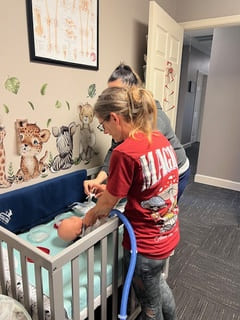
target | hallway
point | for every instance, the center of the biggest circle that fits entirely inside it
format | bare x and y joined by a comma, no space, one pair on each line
205,269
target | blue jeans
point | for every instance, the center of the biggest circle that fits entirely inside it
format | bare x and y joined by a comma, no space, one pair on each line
183,180
151,289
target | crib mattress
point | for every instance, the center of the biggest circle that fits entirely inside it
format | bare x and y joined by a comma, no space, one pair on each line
55,245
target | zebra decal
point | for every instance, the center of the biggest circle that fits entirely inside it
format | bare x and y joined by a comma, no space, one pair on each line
64,143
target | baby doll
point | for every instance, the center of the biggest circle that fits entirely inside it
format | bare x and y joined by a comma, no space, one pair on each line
72,228
69,229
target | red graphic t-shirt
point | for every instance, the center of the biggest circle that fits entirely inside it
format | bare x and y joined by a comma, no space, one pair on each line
147,175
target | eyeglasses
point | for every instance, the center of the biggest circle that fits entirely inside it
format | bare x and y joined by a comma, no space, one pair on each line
100,127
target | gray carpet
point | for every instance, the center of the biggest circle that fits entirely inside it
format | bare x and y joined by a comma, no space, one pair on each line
205,269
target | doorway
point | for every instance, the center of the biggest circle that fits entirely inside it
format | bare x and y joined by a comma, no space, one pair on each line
193,80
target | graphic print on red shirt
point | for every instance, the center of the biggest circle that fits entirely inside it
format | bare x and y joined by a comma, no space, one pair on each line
147,175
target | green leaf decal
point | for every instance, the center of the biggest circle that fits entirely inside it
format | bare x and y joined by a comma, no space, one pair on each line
12,84
43,89
31,105
6,109
10,173
92,90
48,122
58,104
68,105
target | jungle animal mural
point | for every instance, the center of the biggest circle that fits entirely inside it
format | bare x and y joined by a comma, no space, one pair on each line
30,140
4,183
87,134
64,143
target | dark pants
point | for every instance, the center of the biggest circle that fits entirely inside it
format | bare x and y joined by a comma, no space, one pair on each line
183,181
151,289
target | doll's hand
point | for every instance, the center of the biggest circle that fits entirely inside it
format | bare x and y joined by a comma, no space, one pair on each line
69,229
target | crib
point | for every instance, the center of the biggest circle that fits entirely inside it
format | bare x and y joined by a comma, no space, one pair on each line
78,280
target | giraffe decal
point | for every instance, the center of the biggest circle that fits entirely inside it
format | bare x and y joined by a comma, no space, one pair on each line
4,183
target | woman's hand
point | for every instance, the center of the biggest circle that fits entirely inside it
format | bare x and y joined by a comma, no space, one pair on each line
89,184
98,189
103,206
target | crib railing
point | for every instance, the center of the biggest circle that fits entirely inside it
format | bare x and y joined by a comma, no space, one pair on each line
11,243
54,265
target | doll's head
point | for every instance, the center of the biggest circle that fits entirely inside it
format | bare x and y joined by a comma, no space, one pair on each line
69,229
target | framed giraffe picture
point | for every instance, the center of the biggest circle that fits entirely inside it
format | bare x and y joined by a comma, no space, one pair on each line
64,32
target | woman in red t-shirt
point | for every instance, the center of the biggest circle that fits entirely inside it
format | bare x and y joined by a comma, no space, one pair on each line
143,169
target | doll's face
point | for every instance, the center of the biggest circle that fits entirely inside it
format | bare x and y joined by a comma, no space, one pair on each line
70,228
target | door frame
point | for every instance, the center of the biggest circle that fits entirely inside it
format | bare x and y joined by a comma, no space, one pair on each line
226,21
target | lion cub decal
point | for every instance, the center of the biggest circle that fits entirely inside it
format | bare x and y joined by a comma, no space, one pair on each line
87,135
30,143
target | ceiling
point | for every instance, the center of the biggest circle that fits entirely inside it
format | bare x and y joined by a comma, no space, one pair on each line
199,39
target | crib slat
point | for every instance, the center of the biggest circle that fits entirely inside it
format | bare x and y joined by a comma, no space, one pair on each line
25,282
39,290
104,278
90,258
115,275
75,288
2,273
56,294
12,271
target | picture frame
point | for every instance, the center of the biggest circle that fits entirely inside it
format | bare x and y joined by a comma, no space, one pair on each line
64,32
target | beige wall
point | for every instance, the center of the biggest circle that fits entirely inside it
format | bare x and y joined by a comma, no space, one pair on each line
219,155
122,37
188,10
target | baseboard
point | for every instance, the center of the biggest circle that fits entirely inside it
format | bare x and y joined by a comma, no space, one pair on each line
217,182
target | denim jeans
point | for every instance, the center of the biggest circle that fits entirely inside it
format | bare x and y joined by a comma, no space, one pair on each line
183,181
151,289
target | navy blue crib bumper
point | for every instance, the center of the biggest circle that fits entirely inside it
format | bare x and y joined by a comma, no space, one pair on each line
29,206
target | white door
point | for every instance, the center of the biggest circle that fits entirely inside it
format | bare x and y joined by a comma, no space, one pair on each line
164,54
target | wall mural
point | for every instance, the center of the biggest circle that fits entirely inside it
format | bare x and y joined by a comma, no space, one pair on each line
87,134
64,142
32,141
4,183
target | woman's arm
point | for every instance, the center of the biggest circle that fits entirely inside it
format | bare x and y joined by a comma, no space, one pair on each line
103,207
89,184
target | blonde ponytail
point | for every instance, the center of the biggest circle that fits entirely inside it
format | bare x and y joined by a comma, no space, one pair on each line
136,105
